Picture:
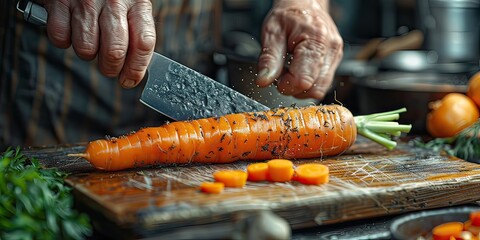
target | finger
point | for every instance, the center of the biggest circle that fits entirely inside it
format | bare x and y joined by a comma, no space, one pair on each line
272,58
114,40
142,43
58,23
86,34
308,57
326,76
327,73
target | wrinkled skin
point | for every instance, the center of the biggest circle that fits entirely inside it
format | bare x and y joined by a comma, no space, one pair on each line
305,30
127,40
302,28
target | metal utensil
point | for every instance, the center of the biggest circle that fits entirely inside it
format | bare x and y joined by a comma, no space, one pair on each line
172,88
420,224
32,12
182,93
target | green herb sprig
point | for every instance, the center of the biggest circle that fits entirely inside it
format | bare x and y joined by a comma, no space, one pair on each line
464,145
35,203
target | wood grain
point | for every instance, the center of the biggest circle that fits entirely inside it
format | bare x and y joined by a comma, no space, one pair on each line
367,181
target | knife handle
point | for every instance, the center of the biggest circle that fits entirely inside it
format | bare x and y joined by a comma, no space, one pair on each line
33,12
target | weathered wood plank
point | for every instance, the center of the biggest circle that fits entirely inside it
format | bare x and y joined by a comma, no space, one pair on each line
367,181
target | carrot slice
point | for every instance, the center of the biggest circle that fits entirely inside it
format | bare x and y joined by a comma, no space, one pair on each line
446,230
257,171
312,173
231,178
468,226
212,187
280,170
475,218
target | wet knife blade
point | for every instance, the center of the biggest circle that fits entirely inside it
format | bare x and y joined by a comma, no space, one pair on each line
171,88
182,93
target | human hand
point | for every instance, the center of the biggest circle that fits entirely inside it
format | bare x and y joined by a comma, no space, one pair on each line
304,29
121,33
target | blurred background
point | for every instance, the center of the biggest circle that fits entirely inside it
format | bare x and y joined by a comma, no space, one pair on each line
397,53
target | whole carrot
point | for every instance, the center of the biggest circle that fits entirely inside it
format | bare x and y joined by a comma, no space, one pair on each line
289,133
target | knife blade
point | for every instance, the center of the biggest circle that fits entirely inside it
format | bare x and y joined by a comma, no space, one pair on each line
171,88
182,93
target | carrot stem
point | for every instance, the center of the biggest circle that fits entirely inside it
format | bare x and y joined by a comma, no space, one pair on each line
381,127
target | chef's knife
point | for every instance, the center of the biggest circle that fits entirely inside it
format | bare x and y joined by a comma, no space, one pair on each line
171,88
182,93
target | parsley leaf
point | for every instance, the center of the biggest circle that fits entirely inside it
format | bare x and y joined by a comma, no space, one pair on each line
35,203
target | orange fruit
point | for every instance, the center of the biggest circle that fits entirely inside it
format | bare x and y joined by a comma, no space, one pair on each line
451,114
473,90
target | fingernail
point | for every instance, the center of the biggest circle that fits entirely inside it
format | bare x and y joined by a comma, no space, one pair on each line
128,83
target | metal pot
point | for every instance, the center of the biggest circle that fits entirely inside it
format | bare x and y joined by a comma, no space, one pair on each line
392,90
452,29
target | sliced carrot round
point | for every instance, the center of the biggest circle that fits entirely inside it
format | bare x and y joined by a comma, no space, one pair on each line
467,226
446,230
312,173
212,187
280,170
257,171
475,218
231,178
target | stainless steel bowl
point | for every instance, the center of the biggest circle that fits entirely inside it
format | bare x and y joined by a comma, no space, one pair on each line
420,224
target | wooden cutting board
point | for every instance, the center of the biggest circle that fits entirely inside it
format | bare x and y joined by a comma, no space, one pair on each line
368,181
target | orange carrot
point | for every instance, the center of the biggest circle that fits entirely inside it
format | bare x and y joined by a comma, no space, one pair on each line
446,230
468,226
475,218
312,173
257,171
212,187
289,133
280,170
231,178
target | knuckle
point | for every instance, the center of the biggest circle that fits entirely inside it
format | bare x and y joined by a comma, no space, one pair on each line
144,3
115,53
89,5
321,31
135,73
59,39
311,49
267,56
305,82
271,57
146,42
116,4
337,43
85,50
272,29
